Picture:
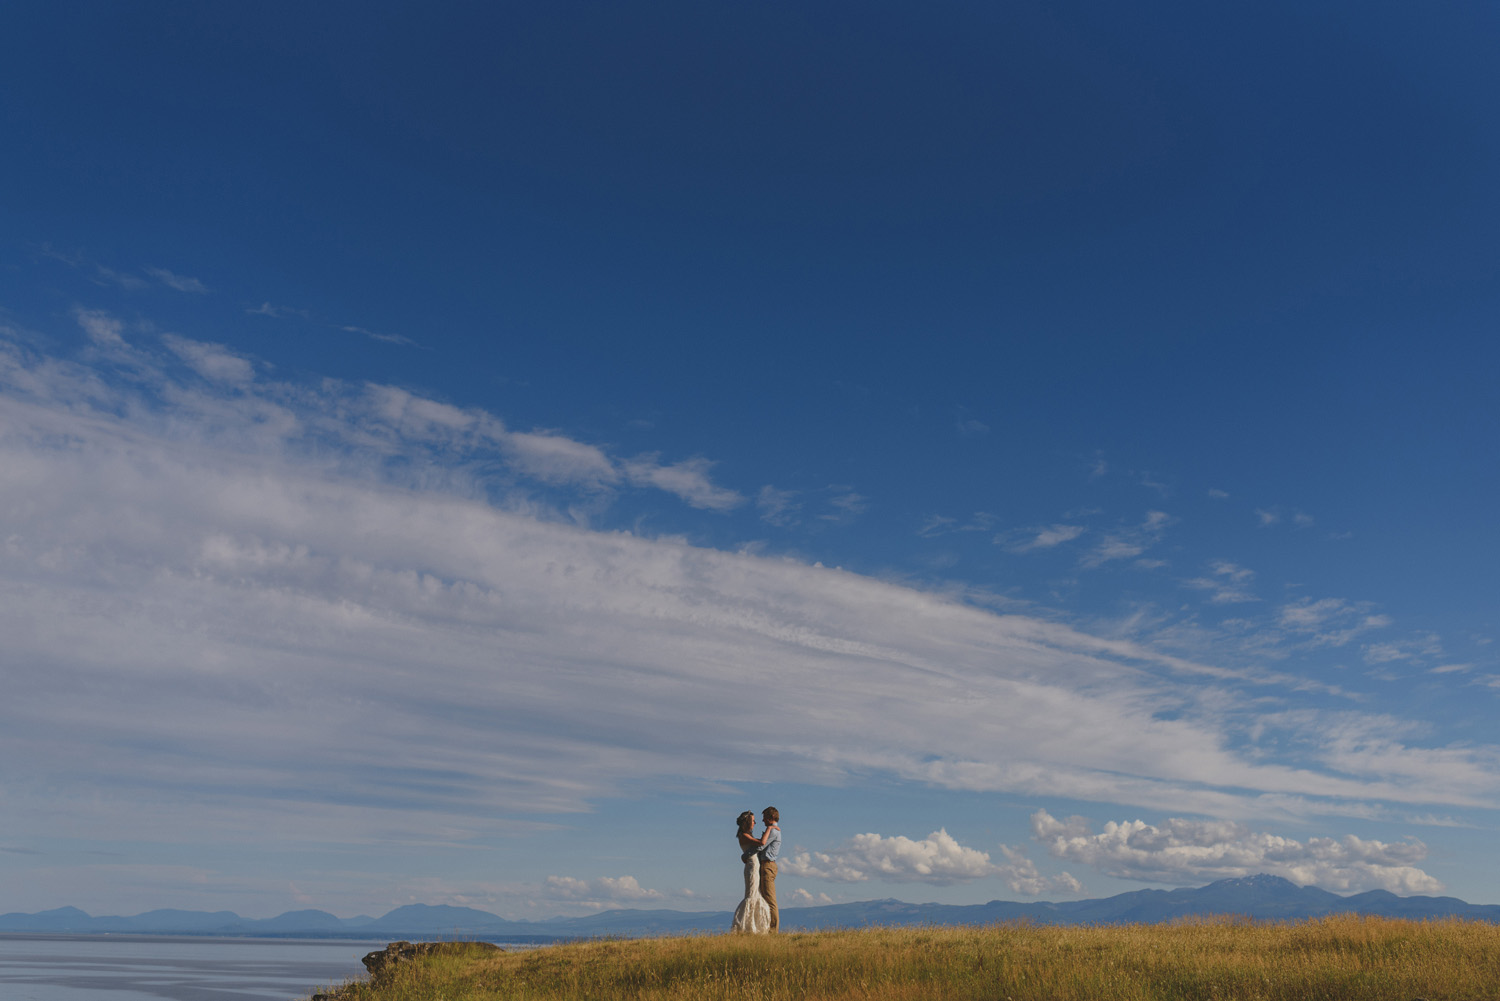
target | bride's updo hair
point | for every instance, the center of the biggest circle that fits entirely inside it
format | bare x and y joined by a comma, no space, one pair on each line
746,821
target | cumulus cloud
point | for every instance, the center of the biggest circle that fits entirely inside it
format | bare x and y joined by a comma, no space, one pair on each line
937,859
603,891
1188,852
316,609
803,898
1022,876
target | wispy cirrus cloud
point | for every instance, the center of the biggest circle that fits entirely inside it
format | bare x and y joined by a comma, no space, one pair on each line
176,282
277,312
212,361
687,479
1046,537
778,507
1329,621
1227,584
102,328
374,335
1129,541
222,596
119,279
845,505
937,524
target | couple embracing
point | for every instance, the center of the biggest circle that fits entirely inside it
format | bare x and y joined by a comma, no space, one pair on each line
757,913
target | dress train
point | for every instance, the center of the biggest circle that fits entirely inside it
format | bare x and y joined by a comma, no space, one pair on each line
753,916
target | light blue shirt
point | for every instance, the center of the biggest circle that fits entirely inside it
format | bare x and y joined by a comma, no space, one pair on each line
772,850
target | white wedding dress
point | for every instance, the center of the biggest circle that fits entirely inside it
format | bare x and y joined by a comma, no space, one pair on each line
753,916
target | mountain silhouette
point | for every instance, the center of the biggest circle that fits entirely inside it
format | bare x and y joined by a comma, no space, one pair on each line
1262,897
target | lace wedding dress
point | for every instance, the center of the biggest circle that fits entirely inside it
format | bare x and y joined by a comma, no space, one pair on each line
753,916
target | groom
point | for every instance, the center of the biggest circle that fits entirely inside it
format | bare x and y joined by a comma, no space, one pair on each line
769,853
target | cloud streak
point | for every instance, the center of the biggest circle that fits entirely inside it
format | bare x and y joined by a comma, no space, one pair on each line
227,599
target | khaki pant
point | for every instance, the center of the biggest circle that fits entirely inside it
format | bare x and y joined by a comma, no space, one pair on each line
768,890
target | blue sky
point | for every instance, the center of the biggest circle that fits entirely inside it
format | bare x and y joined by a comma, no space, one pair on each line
468,455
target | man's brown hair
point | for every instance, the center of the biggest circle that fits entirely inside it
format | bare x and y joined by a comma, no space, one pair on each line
770,814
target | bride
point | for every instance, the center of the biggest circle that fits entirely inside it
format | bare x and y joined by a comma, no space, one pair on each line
753,916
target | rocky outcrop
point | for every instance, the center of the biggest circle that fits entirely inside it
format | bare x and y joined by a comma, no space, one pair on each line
380,962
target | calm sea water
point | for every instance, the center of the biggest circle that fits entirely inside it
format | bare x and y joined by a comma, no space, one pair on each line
130,968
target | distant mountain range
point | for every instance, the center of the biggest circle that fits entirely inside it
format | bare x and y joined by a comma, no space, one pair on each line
1258,897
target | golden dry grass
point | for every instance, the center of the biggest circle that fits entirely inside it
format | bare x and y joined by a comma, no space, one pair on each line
1335,958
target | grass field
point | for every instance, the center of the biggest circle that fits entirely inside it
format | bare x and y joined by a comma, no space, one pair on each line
1334,958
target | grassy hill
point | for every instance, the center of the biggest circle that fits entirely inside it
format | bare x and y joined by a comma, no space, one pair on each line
1333,958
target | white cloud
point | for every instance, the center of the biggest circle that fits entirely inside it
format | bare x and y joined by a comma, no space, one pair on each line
181,283
1267,517
1217,494
687,479
212,361
1417,648
1229,583
277,312
778,507
601,892
1047,537
1022,876
1110,550
125,280
1129,542
554,458
376,336
936,525
800,897
1329,621
317,609
1188,852
937,859
102,328
847,506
